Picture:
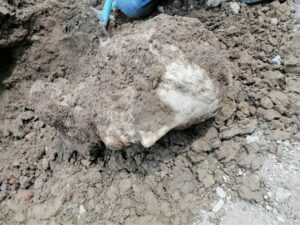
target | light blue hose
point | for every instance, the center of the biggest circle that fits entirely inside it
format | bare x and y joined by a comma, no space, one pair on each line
106,12
136,8
132,8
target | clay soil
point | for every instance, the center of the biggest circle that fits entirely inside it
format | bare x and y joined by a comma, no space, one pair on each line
241,167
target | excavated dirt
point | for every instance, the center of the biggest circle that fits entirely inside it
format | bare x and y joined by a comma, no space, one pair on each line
152,76
241,167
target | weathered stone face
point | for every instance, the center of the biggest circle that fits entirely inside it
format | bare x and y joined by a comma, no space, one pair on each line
151,77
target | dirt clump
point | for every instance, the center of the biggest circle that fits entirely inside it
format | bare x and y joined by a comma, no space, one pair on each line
132,94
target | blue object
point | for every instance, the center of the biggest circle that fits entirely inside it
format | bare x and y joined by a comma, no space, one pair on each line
114,5
131,8
136,8
104,17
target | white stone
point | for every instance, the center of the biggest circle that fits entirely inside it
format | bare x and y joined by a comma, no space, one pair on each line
218,206
161,9
38,183
269,194
269,208
252,139
274,211
225,178
45,163
220,192
286,143
282,195
125,185
274,21
276,60
240,172
235,7
280,219
213,3
296,27
82,210
228,198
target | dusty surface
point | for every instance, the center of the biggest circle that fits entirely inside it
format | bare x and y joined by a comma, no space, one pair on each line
240,168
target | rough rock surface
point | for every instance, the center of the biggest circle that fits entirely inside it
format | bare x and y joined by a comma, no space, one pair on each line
151,77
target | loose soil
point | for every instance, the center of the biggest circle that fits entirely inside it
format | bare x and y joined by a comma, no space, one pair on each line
241,167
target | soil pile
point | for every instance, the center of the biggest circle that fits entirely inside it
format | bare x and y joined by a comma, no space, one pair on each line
152,76
240,167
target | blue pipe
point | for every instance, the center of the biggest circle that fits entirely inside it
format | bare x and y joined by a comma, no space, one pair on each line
114,5
106,12
131,8
136,8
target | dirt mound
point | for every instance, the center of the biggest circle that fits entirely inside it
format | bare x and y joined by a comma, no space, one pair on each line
151,77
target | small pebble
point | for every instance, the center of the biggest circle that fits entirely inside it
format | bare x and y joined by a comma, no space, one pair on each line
220,192
225,178
269,208
274,21
218,206
235,7
276,60
24,182
208,181
252,139
45,163
213,3
282,195
4,187
280,219
91,193
82,210
86,163
161,9
270,194
239,173
38,183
